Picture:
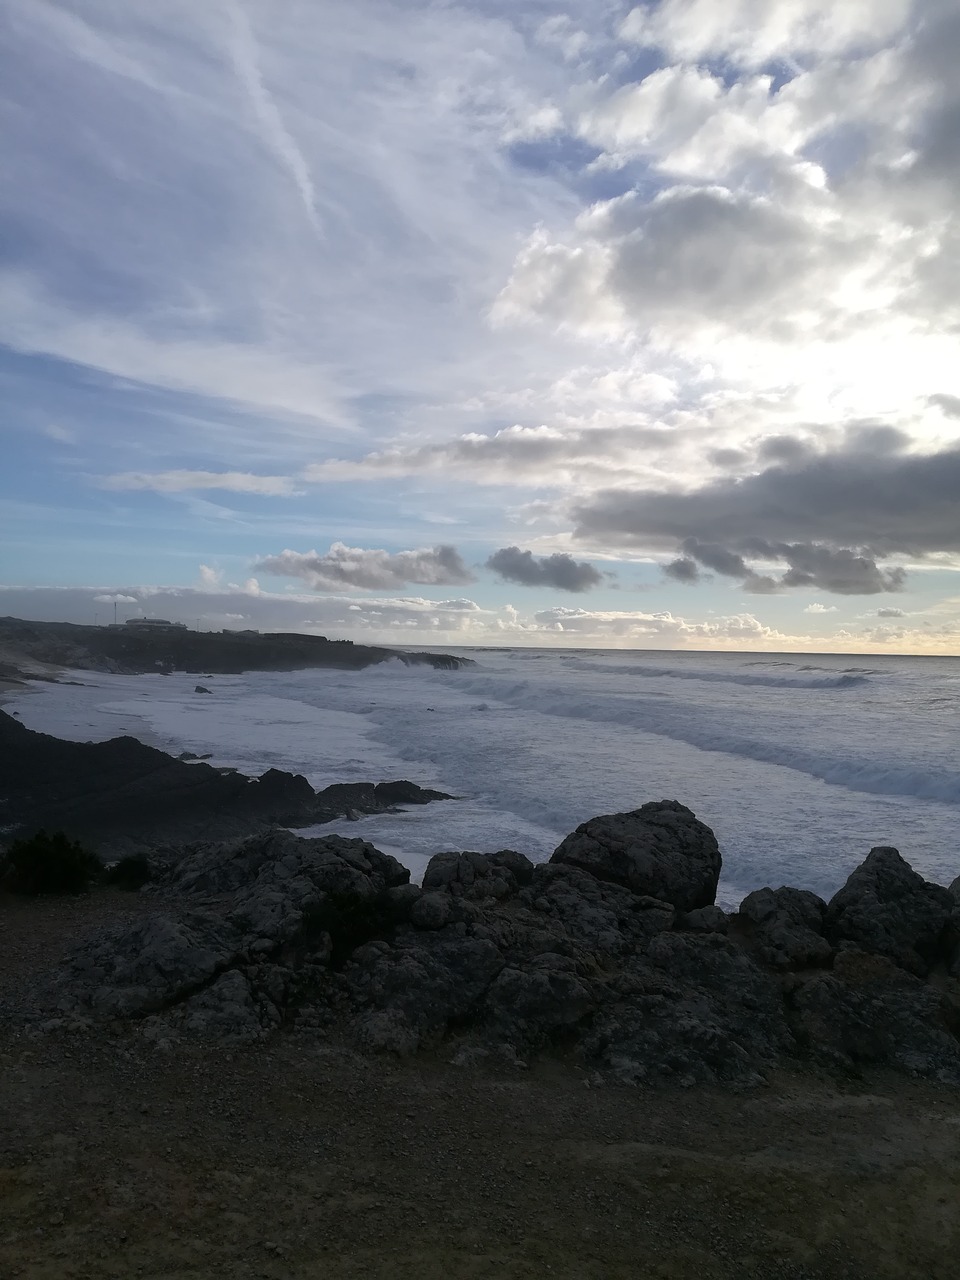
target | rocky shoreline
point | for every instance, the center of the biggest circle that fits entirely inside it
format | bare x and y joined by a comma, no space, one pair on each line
125,797
613,954
26,646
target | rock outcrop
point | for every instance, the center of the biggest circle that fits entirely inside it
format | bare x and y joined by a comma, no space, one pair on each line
660,850
607,953
125,796
886,908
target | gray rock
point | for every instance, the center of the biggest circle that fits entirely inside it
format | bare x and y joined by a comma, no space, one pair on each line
887,908
595,914
139,969
432,911
660,849
871,1012
694,1009
476,876
787,927
528,1009
705,920
227,1011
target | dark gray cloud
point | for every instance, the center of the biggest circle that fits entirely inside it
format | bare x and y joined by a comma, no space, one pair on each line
950,405
716,558
559,571
903,504
683,570
832,519
369,568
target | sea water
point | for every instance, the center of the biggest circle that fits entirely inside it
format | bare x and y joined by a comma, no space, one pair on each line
799,763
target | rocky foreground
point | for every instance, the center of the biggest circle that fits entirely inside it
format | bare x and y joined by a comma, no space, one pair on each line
613,954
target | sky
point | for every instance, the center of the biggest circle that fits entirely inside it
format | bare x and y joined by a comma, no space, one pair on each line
495,322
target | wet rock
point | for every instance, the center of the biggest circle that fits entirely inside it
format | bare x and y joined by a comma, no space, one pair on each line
787,927
885,907
660,850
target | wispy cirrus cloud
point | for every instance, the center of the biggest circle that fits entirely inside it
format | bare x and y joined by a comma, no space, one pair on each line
185,481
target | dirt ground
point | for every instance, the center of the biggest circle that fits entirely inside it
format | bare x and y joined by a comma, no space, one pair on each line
298,1158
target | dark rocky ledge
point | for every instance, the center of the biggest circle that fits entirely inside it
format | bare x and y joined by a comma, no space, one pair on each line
124,796
132,651
613,952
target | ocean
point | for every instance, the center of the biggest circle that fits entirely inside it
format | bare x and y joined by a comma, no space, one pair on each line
800,763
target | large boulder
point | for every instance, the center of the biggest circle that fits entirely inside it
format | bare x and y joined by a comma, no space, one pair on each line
660,850
886,908
787,927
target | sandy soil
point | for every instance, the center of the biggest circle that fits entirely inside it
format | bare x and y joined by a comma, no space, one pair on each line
299,1159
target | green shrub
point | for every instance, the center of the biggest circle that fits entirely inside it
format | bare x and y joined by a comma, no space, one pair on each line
132,872
48,864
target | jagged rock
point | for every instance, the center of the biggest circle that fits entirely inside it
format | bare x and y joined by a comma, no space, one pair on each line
432,911
597,914
509,958
289,891
476,875
660,849
128,972
429,978
870,1012
200,688
787,926
529,1008
124,796
887,908
695,1009
228,1011
705,920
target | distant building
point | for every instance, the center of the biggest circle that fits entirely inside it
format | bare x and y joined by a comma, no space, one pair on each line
154,624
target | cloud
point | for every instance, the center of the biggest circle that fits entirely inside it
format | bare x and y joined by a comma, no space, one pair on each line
399,619
741,628
368,569
817,607
516,455
891,613
185,481
950,405
754,32
682,569
831,518
276,135
559,570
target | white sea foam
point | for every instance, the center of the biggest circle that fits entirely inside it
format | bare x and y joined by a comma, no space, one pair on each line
799,764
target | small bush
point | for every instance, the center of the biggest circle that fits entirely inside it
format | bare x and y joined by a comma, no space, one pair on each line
48,864
130,873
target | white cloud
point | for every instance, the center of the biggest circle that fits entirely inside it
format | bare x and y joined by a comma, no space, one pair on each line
752,32
369,568
816,607
184,481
